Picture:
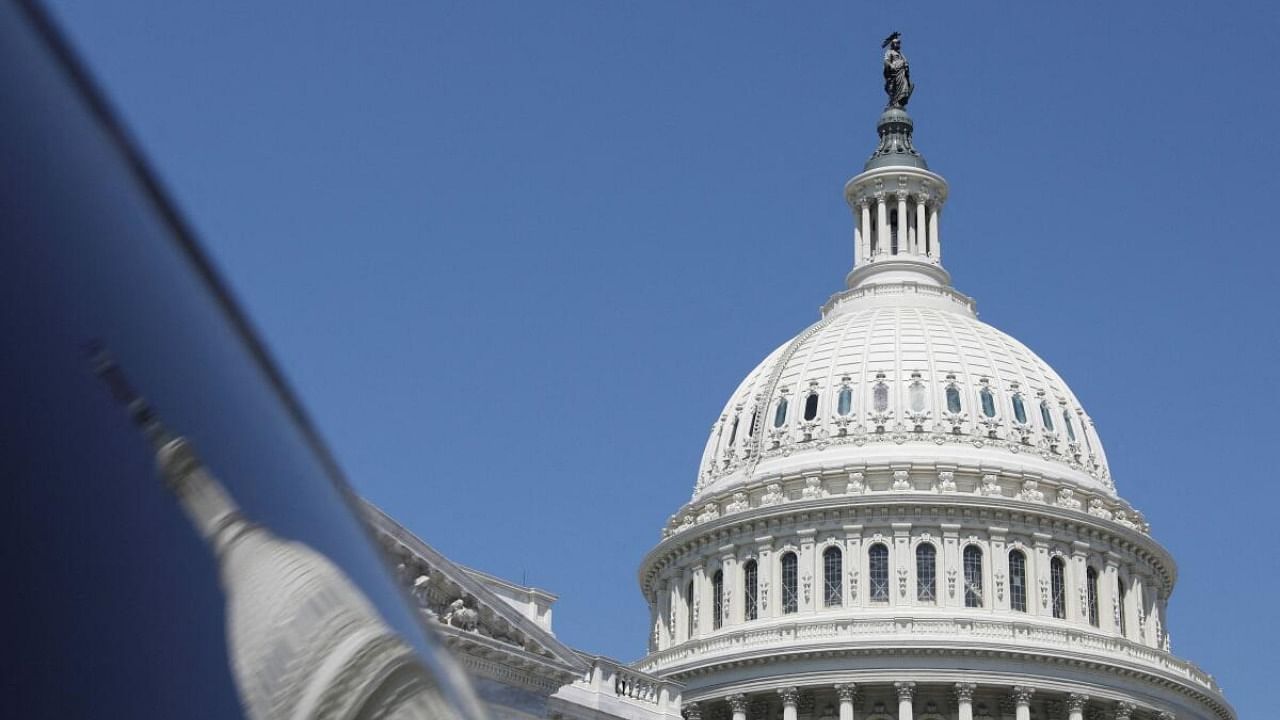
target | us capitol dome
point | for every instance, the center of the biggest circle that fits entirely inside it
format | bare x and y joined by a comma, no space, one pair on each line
903,512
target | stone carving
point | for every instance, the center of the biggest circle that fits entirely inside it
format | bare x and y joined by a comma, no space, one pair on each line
739,503
1044,592
902,581
813,489
1166,715
460,616
999,585
846,692
990,487
855,485
806,583
773,495
710,512
1099,509
790,696
1076,702
1066,498
897,73
946,481
421,589
691,711
906,690
1124,710
764,595
901,480
1031,491
1021,694
853,585
738,703
951,582
964,691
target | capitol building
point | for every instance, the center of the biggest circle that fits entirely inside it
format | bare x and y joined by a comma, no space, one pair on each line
901,513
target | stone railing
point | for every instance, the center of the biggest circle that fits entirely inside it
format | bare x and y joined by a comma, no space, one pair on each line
938,633
620,691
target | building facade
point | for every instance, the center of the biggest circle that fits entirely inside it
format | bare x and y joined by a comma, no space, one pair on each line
901,512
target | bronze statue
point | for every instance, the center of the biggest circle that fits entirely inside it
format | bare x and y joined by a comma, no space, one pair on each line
897,72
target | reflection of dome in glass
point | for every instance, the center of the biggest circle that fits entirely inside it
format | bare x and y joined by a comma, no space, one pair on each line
303,640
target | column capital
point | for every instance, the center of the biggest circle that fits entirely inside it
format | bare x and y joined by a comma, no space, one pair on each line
1124,710
1022,694
964,691
846,692
1166,715
790,695
738,702
1077,701
691,711
906,690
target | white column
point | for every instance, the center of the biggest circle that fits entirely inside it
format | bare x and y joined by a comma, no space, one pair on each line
902,224
1109,596
846,692
790,696
866,229
1078,601
882,225
1075,706
738,704
906,691
964,700
857,238
730,584
922,225
933,231
1022,701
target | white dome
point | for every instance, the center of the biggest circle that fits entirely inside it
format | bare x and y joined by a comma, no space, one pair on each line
922,348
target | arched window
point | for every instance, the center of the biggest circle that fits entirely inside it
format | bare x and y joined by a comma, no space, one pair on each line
878,569
733,431
1091,589
926,573
844,402
811,406
1058,581
832,569
1045,416
1018,581
790,584
880,396
988,400
1066,422
780,413
717,600
973,576
750,590
1124,630
688,610
1019,410
953,399
915,396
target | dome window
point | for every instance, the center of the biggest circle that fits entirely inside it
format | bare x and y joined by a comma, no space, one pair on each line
832,570
1120,589
1019,409
750,590
973,576
988,400
844,401
811,407
780,413
733,430
717,600
1091,591
688,610
751,426
790,584
915,396
1058,583
878,571
1066,422
1017,581
1045,416
926,573
880,397
953,399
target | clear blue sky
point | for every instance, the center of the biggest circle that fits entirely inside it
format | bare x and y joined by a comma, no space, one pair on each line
515,256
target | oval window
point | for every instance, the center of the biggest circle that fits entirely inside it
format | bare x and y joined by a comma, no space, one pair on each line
780,415
844,403
916,394
988,402
1019,410
811,406
1045,415
953,399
